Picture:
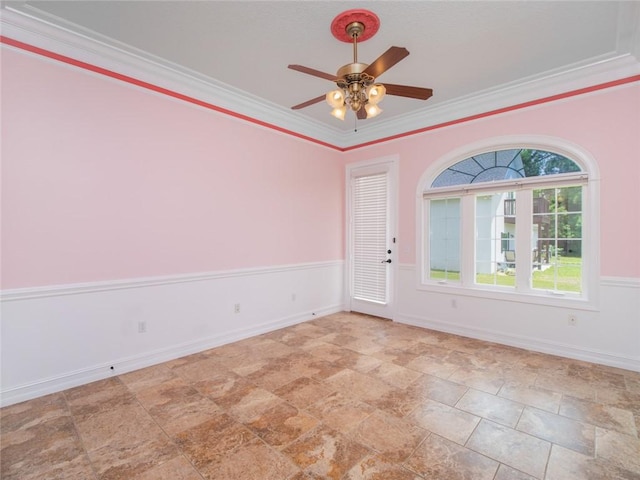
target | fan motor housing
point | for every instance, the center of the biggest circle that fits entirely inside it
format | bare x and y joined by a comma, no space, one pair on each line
352,72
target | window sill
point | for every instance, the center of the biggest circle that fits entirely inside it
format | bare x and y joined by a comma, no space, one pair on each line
550,299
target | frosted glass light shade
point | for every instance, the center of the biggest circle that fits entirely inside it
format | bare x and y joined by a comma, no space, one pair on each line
335,98
372,110
375,93
339,112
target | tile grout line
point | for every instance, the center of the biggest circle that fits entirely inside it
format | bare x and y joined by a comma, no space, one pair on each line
78,436
181,453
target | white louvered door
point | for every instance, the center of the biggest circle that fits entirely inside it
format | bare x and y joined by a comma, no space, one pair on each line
371,241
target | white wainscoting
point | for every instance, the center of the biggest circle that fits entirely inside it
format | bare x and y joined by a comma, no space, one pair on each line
609,335
58,337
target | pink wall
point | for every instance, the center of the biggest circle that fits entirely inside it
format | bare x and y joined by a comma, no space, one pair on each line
605,123
102,180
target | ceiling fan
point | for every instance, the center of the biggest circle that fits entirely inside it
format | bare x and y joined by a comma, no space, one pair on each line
357,88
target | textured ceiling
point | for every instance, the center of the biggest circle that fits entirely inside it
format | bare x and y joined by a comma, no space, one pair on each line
459,49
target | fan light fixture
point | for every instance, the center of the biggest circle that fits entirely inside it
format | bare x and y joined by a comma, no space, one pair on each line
356,89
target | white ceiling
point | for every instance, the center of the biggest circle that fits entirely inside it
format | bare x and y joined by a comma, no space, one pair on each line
476,56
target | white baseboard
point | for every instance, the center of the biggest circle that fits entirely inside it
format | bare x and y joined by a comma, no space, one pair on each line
58,337
147,359
527,343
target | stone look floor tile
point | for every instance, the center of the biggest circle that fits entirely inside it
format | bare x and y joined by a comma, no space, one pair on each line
129,424
598,414
132,458
176,406
340,412
253,460
358,385
443,391
433,366
398,402
252,404
601,378
559,430
195,357
395,438
467,361
325,351
497,409
565,464
303,391
517,376
618,449
364,346
562,383
508,473
326,453
96,397
398,356
140,442
480,379
39,448
210,441
532,396
395,375
357,361
224,385
377,467
282,424
623,399
446,421
148,377
439,458
201,369
317,369
271,378
177,468
516,449
27,414
346,396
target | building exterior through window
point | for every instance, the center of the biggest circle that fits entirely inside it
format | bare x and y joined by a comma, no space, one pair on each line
526,207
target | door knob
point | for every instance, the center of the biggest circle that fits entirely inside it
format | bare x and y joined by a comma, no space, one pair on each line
386,261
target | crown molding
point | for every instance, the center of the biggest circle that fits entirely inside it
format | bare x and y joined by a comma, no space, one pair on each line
31,26
532,91
88,47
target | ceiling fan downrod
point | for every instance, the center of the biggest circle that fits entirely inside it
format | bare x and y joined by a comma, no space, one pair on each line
354,30
351,77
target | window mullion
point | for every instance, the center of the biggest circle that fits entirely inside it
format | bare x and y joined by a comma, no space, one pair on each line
524,247
468,234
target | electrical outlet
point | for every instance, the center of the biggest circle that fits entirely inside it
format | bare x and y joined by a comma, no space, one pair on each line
572,320
454,303
236,308
293,297
142,326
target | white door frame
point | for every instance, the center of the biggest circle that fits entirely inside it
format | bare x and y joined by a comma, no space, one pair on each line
378,165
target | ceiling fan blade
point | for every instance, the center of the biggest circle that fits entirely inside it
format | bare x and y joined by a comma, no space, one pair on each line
385,61
407,91
309,102
361,114
311,71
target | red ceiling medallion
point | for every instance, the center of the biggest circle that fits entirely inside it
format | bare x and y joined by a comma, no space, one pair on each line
367,18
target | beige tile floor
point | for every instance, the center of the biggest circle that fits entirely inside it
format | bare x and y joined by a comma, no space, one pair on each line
342,397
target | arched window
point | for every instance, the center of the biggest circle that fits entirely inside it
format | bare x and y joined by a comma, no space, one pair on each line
509,220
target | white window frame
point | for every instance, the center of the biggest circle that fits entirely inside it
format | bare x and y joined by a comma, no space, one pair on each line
589,177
